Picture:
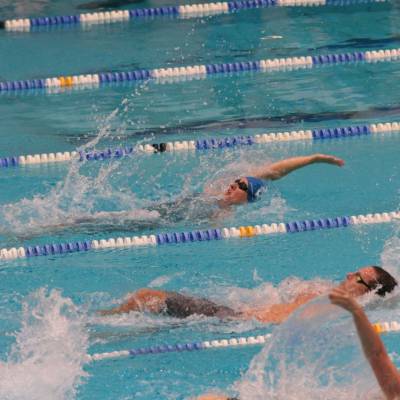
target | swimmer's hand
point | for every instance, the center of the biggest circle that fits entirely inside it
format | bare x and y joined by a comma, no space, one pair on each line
328,159
341,298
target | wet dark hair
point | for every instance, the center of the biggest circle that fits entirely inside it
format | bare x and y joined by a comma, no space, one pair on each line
384,280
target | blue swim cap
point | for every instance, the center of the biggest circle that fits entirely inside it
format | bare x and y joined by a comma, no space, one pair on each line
256,187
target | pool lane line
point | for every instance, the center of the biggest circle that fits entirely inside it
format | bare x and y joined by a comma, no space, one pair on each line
197,235
161,75
183,11
380,327
181,347
202,144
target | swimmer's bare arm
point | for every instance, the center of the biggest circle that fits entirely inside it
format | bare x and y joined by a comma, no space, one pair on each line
385,371
277,313
281,168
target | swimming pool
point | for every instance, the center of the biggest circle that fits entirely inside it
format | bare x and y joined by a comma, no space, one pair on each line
48,303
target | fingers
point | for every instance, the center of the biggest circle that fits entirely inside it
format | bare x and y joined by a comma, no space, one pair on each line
341,298
339,162
335,160
330,159
337,294
339,291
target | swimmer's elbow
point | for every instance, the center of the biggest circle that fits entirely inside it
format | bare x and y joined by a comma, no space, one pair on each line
271,174
275,176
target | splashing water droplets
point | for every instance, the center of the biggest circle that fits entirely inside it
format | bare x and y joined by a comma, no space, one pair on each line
46,361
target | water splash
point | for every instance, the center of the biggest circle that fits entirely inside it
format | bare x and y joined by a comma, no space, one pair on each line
46,361
390,256
267,294
235,297
132,196
314,354
317,354
84,190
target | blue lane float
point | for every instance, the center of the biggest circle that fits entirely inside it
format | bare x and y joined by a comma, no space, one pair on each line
181,347
380,327
183,11
191,72
206,235
202,145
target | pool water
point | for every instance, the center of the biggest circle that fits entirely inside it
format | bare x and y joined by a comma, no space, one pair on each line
48,319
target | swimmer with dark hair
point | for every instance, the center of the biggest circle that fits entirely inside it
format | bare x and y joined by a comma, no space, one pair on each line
356,284
367,279
385,371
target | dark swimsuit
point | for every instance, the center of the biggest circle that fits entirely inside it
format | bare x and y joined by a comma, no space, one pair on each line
181,306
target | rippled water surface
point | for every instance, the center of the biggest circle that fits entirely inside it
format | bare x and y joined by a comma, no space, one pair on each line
48,318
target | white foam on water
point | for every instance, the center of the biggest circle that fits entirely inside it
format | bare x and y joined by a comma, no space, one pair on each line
315,354
390,257
267,294
163,280
46,361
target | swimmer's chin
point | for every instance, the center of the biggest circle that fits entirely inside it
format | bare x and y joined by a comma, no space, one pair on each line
228,204
223,203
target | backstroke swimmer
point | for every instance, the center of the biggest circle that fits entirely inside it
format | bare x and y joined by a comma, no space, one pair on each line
366,279
385,371
355,285
210,205
214,203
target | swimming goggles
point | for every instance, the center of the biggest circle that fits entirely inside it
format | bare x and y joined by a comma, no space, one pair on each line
362,282
242,185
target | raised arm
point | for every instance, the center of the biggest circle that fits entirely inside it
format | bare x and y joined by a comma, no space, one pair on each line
281,168
385,371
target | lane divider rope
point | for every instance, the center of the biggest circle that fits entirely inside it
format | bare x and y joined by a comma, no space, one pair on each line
183,11
380,327
198,235
181,347
288,63
202,144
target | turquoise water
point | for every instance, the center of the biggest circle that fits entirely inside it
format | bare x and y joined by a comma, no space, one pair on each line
47,320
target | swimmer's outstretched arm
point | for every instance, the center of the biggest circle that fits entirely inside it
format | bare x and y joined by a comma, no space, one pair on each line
278,313
281,168
385,371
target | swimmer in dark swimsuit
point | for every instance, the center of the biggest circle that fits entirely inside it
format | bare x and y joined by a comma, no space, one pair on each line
356,284
173,304
182,306
212,204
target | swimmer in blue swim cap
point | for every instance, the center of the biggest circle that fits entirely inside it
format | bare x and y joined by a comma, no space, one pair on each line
248,189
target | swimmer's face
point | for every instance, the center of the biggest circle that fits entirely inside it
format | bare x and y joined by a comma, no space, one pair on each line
235,194
359,283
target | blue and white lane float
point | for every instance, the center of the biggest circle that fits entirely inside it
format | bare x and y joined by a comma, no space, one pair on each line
202,144
380,327
183,11
197,236
195,71
181,347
